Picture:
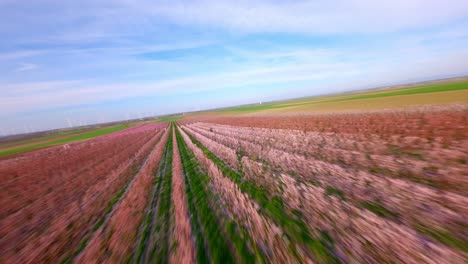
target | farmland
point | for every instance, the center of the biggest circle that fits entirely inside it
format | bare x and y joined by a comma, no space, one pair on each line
276,183
56,139
432,93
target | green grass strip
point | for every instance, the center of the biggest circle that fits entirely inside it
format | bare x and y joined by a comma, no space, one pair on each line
134,168
211,245
161,231
159,175
409,91
100,222
40,138
88,135
379,209
444,238
169,118
291,222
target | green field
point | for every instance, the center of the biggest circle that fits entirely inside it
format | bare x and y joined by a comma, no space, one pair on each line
88,135
419,89
41,138
169,118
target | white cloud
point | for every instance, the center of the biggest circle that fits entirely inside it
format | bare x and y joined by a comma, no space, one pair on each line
36,96
341,16
14,55
91,20
26,67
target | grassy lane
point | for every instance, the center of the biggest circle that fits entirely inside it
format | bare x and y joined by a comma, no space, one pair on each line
183,250
131,172
320,247
160,232
115,240
449,237
218,240
88,135
153,243
209,243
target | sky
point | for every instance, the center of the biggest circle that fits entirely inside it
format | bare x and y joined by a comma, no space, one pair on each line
69,63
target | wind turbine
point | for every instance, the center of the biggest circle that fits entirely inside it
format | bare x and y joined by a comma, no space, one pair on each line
69,122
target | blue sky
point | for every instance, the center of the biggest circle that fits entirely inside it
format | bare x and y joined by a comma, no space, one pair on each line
82,62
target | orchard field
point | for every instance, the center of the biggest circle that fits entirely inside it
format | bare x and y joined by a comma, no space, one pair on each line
368,186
